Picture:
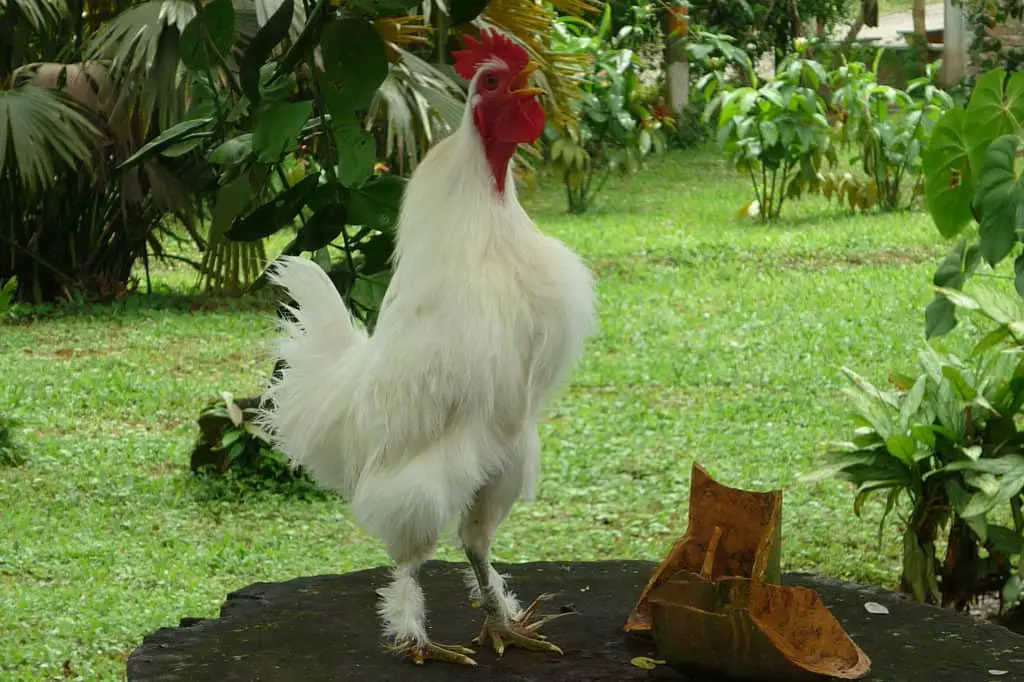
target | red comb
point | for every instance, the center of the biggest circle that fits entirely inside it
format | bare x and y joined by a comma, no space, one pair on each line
492,45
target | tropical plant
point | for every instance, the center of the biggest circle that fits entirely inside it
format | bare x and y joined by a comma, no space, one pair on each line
944,448
973,189
337,94
172,82
776,133
887,128
613,131
72,226
231,446
761,27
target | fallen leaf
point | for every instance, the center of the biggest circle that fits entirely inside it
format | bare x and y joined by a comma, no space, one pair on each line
875,607
644,663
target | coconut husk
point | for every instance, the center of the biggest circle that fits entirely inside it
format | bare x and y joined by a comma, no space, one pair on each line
741,528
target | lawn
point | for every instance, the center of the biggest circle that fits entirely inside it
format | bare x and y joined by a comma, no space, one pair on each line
890,6
721,341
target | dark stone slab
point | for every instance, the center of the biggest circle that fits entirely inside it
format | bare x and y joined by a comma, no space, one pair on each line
324,628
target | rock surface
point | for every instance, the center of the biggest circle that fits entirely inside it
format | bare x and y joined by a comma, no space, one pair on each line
324,628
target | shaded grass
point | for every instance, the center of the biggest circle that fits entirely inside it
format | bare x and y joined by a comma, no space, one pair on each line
721,341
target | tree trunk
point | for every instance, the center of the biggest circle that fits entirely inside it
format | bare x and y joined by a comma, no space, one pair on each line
920,34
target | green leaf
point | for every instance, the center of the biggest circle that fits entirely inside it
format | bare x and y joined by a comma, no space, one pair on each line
1018,275
357,149
912,401
309,37
172,135
218,21
990,340
1012,590
940,317
323,228
902,447
368,291
961,261
355,60
958,298
769,133
1006,465
461,11
949,183
261,47
981,503
279,212
233,151
961,388
996,108
999,197
277,130
377,203
232,199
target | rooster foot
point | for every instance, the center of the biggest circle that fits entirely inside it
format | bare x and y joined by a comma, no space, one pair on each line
431,651
520,631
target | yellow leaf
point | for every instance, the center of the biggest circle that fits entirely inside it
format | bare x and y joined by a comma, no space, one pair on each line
646,663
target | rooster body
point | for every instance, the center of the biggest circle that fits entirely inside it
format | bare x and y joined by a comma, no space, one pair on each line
432,419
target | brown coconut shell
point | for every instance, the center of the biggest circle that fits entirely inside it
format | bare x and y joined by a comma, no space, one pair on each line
751,630
742,529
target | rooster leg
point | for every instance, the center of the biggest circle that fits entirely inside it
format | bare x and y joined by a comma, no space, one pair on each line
402,610
505,624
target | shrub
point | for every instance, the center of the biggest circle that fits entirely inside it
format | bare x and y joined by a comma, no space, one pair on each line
613,131
944,448
776,133
232,447
887,128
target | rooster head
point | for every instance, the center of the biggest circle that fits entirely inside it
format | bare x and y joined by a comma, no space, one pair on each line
504,108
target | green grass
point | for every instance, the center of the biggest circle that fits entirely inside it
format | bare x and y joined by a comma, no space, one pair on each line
890,6
721,341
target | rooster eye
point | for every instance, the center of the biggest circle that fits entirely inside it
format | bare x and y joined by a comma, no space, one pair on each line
490,81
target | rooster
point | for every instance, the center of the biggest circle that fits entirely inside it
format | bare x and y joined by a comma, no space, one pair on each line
433,418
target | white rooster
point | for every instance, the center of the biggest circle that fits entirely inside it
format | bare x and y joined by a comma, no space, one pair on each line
433,418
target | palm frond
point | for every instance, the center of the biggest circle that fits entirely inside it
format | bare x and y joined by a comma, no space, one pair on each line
265,8
39,131
417,105
40,14
402,32
559,73
140,45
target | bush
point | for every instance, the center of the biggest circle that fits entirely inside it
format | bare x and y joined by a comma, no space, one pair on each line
945,450
233,448
887,128
613,131
776,133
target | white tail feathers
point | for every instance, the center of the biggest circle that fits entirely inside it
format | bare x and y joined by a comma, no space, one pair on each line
324,324
301,405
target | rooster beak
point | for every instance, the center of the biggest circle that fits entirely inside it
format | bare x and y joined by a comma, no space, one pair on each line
520,88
